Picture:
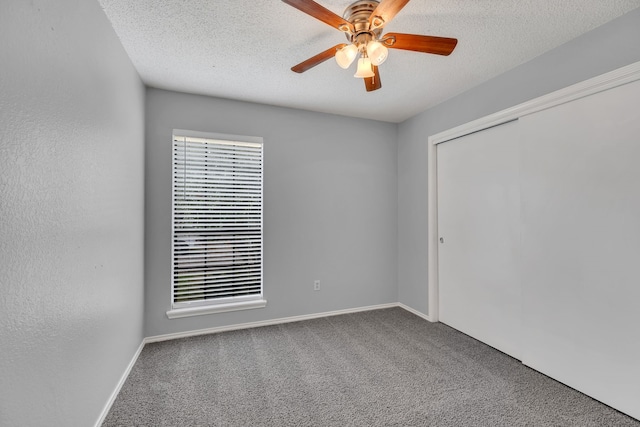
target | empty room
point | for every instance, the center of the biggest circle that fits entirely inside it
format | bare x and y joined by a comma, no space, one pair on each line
319,213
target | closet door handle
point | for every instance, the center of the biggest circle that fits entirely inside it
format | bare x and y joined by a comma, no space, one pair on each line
442,240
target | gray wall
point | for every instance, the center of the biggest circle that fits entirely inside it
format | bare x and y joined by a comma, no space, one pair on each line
606,48
330,203
71,203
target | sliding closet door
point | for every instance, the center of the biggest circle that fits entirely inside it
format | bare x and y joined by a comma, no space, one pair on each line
581,244
478,227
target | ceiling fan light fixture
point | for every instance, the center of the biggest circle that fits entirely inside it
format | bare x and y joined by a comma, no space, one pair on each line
377,52
364,68
346,56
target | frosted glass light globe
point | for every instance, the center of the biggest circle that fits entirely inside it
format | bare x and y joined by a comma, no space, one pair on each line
364,68
377,52
346,55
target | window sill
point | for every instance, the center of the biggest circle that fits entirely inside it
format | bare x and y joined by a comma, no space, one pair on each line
177,313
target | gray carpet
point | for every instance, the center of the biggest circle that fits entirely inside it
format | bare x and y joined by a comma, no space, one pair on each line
377,368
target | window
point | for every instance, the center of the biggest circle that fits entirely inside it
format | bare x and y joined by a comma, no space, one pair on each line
217,223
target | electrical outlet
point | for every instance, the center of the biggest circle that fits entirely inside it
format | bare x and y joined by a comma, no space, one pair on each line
316,285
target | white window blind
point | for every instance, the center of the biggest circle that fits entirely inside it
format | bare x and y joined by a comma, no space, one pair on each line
217,221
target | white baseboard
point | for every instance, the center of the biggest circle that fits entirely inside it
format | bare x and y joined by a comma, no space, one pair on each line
217,329
414,311
125,375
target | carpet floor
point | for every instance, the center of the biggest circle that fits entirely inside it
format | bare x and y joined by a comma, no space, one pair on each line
377,368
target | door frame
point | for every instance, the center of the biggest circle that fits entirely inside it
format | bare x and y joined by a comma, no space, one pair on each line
621,76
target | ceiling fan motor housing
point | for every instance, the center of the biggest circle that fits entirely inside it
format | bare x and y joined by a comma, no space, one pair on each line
358,14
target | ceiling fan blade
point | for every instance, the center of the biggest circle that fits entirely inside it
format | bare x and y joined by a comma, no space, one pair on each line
373,83
427,44
385,12
318,59
322,13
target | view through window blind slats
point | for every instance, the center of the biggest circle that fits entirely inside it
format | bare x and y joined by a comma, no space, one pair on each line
217,221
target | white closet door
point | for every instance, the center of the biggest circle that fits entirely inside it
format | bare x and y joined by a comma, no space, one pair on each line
478,222
581,244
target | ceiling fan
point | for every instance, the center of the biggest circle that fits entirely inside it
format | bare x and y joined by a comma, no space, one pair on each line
362,23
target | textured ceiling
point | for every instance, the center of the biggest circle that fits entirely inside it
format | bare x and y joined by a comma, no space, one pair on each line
244,50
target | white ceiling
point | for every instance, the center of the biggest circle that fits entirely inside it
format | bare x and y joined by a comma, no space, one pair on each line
244,50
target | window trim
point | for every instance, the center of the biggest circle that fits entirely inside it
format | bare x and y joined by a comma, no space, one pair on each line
176,313
220,305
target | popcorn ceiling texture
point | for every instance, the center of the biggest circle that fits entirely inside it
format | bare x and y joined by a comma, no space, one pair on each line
244,50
